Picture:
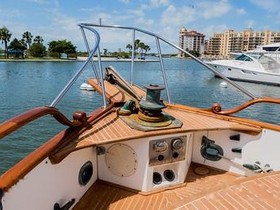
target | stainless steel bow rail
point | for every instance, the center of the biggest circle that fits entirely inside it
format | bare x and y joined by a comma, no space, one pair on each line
100,73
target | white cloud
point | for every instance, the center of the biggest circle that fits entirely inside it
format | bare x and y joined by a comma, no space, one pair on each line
137,13
165,17
211,9
158,3
241,11
144,22
249,24
177,16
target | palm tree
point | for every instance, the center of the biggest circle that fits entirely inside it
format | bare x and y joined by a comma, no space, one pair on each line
27,38
129,47
105,51
38,39
146,49
136,45
5,36
141,47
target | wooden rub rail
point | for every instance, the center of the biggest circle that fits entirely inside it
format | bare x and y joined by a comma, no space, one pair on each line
17,122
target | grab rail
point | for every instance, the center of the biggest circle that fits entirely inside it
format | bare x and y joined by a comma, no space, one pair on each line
217,109
174,46
89,59
19,121
99,75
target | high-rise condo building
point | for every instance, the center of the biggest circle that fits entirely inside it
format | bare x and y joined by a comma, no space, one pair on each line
221,44
191,41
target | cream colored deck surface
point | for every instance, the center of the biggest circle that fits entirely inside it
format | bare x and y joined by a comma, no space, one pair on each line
217,190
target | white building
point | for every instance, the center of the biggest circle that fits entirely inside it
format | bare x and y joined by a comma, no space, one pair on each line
191,41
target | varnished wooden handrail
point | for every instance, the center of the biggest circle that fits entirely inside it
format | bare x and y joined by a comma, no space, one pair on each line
17,122
17,172
217,109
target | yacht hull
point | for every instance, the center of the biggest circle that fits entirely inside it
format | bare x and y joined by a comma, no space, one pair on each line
246,75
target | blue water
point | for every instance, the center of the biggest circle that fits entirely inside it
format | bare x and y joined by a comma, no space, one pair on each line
25,85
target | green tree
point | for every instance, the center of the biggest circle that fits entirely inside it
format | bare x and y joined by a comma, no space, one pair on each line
38,50
136,44
17,48
129,47
141,49
56,48
105,51
27,38
5,36
146,48
38,39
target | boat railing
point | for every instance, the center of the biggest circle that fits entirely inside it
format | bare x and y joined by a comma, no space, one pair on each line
99,73
92,52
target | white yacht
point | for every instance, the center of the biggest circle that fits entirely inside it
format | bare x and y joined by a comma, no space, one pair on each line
253,67
271,50
273,47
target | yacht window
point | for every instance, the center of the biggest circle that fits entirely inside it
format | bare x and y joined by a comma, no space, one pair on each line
244,57
276,48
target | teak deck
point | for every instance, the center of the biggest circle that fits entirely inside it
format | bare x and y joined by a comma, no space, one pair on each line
216,190
113,129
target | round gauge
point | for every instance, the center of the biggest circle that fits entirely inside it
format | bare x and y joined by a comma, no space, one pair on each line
177,144
160,146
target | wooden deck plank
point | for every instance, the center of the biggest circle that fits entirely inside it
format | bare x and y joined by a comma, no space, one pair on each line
118,198
216,190
113,129
113,93
116,129
247,193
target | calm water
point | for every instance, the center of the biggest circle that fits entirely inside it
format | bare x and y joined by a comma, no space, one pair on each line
24,85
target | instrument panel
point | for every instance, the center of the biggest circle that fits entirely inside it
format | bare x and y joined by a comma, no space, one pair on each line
167,150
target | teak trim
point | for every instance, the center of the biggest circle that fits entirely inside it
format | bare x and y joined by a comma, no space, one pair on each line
217,109
17,122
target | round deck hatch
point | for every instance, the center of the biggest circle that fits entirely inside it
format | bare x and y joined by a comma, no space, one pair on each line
121,160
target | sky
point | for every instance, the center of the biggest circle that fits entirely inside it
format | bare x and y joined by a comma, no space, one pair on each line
58,19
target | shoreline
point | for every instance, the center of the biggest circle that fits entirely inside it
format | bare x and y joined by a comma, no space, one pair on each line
35,60
79,59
